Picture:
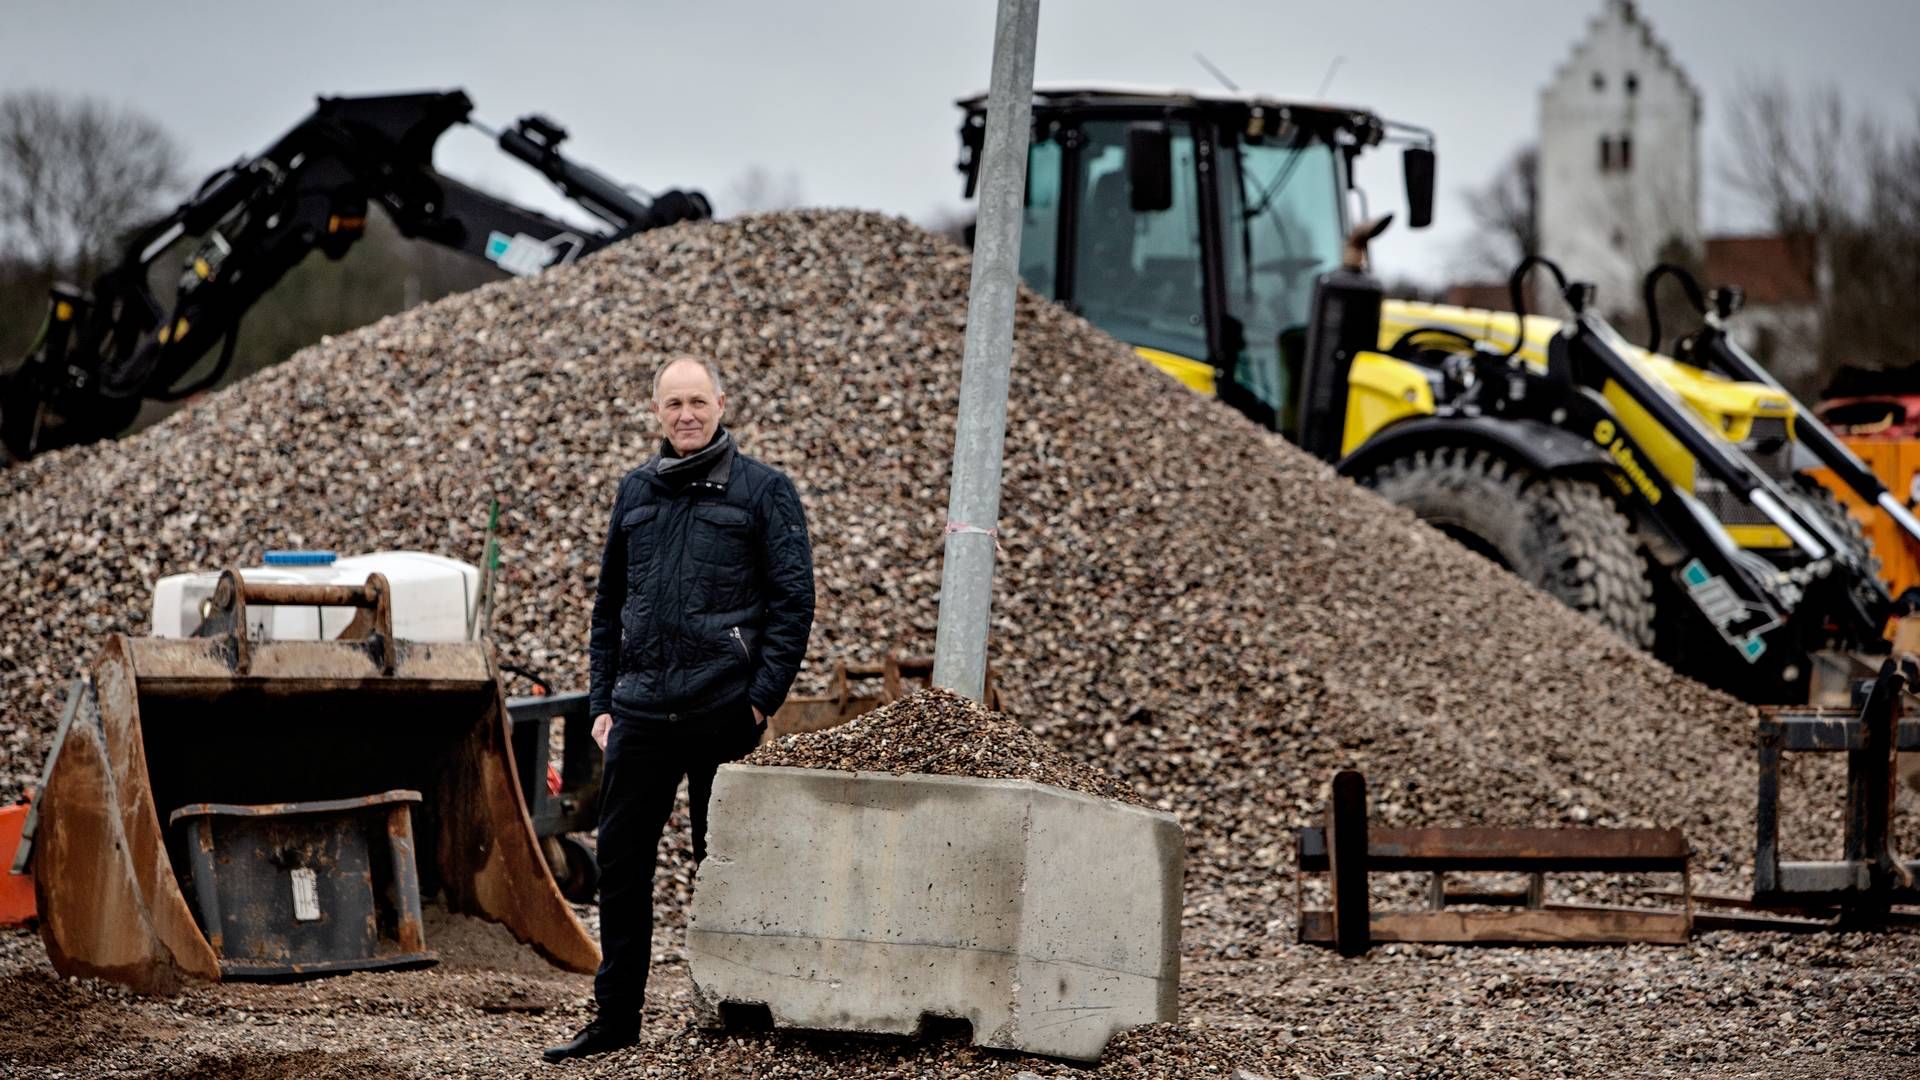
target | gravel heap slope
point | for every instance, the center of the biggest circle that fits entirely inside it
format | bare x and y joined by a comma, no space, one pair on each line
939,732
1184,603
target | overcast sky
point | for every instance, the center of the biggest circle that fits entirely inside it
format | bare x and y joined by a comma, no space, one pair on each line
856,96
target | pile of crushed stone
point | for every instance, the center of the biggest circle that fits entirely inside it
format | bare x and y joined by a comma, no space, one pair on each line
941,733
1212,617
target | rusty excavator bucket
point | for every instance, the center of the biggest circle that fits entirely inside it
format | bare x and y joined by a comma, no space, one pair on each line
220,808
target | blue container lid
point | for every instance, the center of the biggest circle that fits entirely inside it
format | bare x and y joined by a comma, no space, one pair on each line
298,558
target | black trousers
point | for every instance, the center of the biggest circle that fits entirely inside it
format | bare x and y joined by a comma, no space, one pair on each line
645,761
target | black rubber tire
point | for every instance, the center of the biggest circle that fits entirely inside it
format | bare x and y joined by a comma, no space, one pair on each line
1563,535
575,869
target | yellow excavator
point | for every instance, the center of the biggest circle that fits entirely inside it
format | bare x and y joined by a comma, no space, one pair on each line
1664,495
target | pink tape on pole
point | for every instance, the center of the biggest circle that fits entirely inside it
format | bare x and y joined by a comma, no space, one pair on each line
956,527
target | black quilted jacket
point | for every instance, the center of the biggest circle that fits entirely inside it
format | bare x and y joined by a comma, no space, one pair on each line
706,590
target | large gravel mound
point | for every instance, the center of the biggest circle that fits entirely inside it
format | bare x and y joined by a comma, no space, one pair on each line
1214,618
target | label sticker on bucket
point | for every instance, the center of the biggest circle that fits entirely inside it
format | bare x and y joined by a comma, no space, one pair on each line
306,895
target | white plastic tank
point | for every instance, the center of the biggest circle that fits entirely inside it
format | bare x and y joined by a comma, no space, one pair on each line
433,596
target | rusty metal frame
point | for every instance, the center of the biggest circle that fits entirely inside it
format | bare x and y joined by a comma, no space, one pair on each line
109,897
226,619
1870,877
577,807
1347,849
266,950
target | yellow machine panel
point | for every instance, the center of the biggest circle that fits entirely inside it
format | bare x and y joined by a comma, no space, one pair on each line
1381,390
1728,407
1196,374
1665,451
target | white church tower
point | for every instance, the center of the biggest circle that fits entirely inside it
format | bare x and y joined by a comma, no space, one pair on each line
1619,157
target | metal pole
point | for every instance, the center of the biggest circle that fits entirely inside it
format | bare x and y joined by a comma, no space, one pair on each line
973,502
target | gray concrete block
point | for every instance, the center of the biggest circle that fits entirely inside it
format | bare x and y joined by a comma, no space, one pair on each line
861,902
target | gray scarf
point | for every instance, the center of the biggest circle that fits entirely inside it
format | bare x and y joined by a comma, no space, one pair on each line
712,456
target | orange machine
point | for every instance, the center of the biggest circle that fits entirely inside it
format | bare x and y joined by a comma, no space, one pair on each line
1884,432
16,890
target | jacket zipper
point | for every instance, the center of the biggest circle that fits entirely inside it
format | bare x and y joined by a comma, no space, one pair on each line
738,640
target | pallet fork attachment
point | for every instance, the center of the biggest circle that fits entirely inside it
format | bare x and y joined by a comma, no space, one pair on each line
1347,849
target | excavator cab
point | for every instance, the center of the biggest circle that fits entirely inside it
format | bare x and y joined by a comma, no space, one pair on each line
1195,226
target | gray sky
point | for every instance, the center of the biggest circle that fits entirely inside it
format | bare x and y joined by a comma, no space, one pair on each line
855,96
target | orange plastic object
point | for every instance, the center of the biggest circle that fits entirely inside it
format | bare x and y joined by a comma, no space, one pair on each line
16,891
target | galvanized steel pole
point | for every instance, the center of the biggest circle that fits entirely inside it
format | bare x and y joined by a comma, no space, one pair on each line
973,502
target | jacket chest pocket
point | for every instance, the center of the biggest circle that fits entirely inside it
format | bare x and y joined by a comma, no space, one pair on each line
720,538
640,526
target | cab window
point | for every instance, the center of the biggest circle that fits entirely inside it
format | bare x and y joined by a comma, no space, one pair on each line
1282,229
1040,224
1137,273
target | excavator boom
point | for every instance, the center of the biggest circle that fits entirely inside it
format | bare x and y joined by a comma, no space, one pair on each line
107,348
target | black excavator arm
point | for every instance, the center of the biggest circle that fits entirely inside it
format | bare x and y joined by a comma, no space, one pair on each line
106,349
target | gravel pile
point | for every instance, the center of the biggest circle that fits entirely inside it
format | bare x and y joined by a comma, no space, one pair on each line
1200,611
1209,615
1213,617
939,732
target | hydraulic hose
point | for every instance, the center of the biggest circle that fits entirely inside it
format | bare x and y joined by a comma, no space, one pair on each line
1651,285
1608,350
1517,293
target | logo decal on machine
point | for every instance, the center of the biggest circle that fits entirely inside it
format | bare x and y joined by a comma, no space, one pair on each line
1609,437
1739,622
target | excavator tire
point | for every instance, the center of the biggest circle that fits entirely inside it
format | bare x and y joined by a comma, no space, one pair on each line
1561,534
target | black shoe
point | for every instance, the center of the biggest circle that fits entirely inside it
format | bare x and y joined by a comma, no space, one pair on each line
598,1037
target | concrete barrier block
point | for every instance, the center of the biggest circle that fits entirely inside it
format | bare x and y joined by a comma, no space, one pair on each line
862,902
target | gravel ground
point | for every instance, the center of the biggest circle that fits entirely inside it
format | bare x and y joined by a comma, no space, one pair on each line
939,732
1204,613
1726,1005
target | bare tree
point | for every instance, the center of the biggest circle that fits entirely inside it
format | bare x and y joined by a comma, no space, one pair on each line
1815,168
758,189
1873,260
75,175
1797,157
1506,213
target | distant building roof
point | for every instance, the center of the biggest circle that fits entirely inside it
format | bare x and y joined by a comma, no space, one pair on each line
1624,12
1773,270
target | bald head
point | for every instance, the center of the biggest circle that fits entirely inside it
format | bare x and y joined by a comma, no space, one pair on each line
705,367
688,402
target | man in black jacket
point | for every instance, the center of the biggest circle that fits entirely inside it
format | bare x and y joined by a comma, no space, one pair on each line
699,625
